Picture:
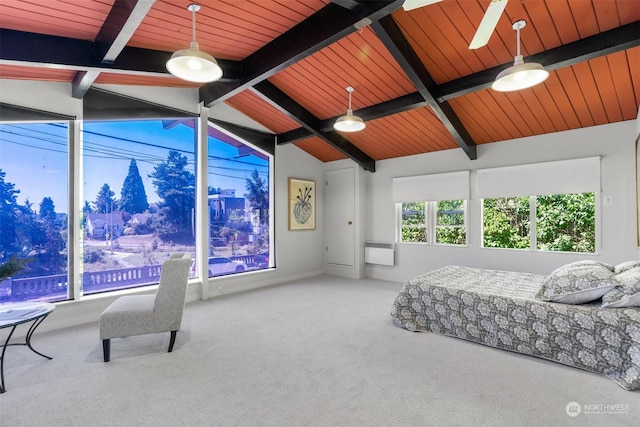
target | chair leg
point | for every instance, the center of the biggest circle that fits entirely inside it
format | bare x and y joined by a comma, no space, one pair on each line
172,341
106,350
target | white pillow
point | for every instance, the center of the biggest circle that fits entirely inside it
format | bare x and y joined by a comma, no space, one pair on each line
583,263
627,294
577,284
624,266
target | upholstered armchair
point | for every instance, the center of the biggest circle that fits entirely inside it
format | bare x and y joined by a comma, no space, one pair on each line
149,314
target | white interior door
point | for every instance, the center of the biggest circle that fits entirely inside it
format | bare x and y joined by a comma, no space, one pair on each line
340,216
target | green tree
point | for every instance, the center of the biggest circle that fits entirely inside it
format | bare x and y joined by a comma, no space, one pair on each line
506,223
133,196
86,209
105,203
8,206
566,222
176,187
47,210
258,196
450,222
413,222
48,246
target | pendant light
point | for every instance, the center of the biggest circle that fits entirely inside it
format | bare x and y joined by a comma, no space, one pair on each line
349,122
193,64
520,75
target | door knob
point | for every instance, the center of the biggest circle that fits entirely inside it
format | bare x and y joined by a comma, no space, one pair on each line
349,222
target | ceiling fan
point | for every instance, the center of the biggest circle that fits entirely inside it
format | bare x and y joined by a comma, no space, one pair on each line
486,27
414,4
488,23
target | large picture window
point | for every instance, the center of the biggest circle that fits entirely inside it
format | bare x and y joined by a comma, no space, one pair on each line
136,190
33,211
238,179
138,200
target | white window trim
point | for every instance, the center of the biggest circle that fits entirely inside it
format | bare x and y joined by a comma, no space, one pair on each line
431,210
533,243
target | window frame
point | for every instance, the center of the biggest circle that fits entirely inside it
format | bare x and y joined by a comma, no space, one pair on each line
533,220
75,201
431,223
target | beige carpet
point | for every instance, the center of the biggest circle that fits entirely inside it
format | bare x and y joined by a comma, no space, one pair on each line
316,352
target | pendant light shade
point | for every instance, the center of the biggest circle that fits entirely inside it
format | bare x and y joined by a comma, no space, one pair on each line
520,75
192,64
349,122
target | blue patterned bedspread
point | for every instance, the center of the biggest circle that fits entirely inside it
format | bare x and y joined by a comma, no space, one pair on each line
498,308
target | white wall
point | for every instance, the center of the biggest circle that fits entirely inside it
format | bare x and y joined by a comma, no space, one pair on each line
613,142
298,254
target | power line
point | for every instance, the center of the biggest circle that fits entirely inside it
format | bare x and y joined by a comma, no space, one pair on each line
108,153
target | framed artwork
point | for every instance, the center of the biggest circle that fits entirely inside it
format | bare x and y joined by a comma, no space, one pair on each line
302,204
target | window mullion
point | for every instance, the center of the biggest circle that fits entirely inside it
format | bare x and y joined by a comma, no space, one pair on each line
430,222
533,240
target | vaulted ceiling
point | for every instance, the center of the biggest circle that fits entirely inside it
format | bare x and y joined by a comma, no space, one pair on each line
287,63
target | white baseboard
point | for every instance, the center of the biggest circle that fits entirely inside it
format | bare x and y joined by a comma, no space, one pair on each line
87,310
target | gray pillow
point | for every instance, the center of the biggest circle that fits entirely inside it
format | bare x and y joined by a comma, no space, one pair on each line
627,294
577,284
624,266
585,262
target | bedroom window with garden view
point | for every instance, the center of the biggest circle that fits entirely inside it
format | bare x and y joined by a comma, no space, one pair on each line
558,222
440,222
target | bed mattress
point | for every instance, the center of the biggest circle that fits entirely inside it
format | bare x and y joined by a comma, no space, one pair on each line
499,309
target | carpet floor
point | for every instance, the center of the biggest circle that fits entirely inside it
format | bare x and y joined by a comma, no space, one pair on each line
321,351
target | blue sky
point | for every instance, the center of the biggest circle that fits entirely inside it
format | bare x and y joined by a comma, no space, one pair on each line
34,157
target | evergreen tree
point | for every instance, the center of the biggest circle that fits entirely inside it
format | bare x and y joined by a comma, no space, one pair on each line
258,196
47,210
105,201
46,240
8,206
176,186
133,197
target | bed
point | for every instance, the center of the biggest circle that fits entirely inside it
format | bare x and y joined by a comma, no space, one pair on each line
506,310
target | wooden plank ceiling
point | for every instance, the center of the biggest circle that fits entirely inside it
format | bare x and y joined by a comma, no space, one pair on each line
287,63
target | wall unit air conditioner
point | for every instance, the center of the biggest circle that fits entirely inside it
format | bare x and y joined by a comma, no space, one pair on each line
379,253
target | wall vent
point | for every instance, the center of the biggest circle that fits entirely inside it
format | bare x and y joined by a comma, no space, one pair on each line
379,253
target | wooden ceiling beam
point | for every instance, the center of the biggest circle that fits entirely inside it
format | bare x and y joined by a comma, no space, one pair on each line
397,44
31,49
286,105
325,27
264,141
605,43
123,20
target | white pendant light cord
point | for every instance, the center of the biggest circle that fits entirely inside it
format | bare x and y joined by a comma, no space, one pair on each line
517,38
518,25
349,90
193,8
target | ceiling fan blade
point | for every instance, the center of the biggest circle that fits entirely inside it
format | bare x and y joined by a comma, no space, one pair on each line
414,4
488,23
